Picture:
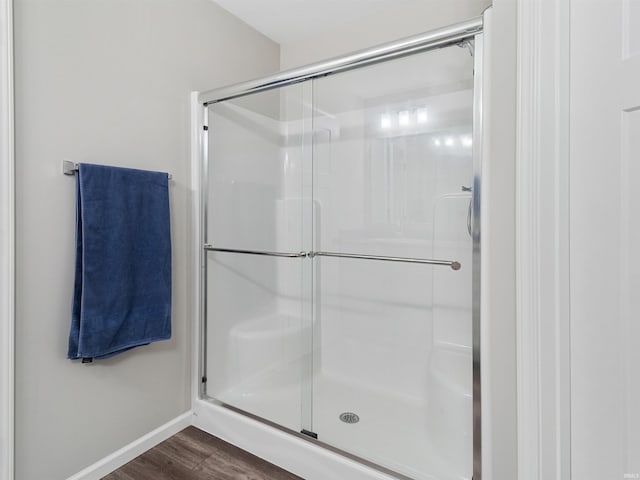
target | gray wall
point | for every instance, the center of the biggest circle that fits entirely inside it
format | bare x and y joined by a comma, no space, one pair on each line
105,81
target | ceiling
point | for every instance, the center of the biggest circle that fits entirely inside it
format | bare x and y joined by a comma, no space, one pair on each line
286,21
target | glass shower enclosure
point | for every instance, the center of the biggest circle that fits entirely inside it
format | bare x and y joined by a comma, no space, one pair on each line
341,255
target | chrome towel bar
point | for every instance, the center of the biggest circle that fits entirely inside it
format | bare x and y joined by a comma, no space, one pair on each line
211,248
453,264
70,168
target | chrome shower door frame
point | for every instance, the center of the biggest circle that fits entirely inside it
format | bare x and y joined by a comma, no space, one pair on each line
469,31
476,282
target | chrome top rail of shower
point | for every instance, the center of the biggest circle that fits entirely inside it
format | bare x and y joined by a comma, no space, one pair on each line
441,37
446,263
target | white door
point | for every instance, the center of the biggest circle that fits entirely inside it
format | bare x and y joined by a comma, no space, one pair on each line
605,239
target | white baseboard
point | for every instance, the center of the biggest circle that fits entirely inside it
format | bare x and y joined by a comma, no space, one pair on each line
127,453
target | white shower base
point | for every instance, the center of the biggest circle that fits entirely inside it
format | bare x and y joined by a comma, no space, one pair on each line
393,431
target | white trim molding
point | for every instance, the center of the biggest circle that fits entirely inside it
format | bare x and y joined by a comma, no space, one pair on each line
7,223
136,448
542,240
196,333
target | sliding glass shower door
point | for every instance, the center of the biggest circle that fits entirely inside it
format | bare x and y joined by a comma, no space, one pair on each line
258,318
339,236
393,173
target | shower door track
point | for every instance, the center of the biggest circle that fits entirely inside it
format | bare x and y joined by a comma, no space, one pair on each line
469,33
445,263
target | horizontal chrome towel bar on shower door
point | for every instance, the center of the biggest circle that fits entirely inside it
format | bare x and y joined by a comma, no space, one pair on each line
211,248
446,263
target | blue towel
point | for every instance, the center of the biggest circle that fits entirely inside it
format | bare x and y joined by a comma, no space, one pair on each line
122,291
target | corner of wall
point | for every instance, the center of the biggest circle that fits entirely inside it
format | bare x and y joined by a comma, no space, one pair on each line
7,241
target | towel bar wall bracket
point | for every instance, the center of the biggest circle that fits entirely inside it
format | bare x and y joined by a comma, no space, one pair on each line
70,168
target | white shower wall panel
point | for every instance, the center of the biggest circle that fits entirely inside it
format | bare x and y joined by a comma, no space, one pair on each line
245,181
452,298
293,207
376,324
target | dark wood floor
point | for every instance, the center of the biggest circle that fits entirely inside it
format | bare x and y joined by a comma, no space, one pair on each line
195,455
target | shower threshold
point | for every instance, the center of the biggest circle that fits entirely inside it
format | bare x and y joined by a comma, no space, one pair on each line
382,416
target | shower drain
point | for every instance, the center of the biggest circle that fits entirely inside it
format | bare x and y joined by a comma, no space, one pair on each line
349,417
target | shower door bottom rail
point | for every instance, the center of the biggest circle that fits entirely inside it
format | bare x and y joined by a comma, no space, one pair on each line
446,263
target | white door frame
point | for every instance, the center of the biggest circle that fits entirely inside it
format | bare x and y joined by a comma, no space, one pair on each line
542,241
7,229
